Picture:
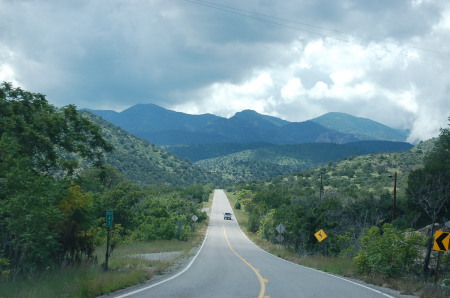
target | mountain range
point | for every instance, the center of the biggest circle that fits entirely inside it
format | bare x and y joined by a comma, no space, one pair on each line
161,126
247,146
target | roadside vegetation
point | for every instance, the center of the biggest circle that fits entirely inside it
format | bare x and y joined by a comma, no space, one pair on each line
60,171
91,280
55,189
369,237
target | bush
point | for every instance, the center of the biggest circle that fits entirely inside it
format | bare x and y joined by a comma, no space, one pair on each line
388,251
237,205
253,222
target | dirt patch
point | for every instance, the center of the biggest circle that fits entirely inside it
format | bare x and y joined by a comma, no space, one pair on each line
160,256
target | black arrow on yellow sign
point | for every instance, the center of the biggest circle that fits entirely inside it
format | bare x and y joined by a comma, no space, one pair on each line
441,241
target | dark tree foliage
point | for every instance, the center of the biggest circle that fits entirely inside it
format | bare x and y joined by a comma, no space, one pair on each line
46,134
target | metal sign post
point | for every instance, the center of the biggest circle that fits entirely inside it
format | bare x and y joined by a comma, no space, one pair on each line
109,221
440,244
180,225
194,219
280,229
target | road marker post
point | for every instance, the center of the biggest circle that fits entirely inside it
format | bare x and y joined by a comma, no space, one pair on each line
109,221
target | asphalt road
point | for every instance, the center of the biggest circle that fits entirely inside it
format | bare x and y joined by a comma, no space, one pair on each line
229,265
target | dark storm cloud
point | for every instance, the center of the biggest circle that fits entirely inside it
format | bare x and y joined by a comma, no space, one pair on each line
293,59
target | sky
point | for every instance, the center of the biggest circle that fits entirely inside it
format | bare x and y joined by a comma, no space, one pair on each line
384,60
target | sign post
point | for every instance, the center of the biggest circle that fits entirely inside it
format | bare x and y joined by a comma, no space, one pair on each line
180,225
441,243
109,221
280,229
194,219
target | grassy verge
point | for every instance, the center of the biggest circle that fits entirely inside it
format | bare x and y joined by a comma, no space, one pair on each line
339,265
90,280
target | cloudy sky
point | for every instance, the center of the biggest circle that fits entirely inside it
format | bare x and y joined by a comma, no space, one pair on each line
387,60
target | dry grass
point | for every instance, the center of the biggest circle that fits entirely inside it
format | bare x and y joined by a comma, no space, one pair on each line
91,280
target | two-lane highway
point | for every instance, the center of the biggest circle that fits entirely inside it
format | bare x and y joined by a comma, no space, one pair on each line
229,265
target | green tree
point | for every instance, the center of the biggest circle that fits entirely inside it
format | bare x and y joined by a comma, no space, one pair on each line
429,187
48,135
29,212
39,150
75,232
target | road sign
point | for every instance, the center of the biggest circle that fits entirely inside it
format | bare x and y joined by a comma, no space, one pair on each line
109,218
180,225
441,241
194,218
280,238
280,228
320,235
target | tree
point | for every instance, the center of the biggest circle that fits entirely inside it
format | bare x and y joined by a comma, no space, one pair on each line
48,135
74,233
40,146
429,187
28,212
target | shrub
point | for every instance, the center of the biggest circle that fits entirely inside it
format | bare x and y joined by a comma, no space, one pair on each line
237,205
388,251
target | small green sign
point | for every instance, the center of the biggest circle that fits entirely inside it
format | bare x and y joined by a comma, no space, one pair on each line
109,218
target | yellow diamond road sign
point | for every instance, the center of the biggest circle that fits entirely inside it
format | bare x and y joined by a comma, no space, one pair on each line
320,235
441,241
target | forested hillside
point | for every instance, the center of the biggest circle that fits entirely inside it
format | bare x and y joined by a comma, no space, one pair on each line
266,161
362,183
145,163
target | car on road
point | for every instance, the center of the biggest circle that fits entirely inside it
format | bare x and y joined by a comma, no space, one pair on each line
227,215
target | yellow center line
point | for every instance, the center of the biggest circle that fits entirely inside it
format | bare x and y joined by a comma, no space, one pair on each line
262,281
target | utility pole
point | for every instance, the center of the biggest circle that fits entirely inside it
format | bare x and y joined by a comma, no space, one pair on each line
394,203
321,187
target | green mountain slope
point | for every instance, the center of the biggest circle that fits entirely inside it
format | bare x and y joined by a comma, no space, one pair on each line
371,172
145,163
272,160
362,128
196,152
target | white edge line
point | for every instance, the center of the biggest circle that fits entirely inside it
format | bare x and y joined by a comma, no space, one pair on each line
336,276
176,275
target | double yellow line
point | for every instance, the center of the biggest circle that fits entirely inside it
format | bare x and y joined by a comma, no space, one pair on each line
262,281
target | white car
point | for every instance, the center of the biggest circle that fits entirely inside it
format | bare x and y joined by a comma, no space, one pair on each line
227,215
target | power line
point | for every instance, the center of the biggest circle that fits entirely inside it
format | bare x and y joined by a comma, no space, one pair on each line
231,9
267,19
